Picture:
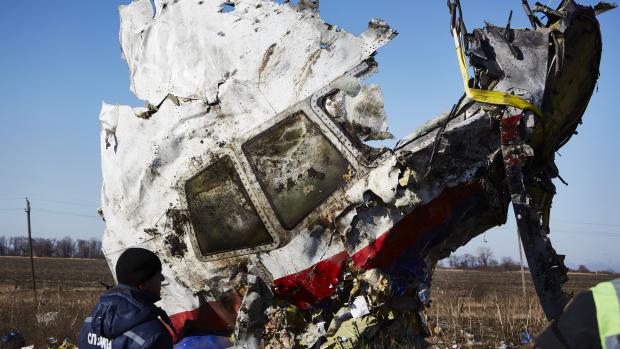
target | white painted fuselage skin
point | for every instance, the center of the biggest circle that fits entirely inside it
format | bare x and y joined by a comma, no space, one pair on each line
232,74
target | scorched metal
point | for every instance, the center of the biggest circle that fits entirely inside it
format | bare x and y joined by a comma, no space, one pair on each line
248,172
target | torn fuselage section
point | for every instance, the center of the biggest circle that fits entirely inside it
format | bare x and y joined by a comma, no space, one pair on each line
529,62
251,177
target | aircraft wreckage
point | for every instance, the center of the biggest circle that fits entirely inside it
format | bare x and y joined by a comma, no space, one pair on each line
248,172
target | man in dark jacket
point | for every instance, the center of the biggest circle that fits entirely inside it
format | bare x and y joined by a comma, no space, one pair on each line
126,317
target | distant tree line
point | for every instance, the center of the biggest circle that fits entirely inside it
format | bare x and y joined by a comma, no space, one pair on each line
485,260
41,247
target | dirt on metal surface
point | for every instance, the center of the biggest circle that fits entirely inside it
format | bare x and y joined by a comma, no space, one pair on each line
252,145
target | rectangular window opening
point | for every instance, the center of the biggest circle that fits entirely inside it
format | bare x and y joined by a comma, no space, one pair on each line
221,213
297,167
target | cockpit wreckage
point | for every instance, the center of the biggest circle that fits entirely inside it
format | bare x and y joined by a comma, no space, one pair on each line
248,172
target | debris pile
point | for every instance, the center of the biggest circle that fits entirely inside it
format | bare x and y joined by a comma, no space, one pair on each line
248,171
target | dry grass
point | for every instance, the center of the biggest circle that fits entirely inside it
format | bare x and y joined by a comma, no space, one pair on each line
486,321
64,310
483,309
470,308
67,291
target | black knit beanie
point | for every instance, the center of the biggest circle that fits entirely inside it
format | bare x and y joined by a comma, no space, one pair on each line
136,265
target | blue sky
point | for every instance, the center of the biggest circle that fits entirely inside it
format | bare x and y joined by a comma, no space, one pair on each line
60,60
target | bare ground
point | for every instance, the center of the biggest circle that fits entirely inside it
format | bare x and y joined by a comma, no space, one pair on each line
479,309
482,309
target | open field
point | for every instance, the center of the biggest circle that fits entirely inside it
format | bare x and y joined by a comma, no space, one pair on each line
67,290
54,272
484,308
477,309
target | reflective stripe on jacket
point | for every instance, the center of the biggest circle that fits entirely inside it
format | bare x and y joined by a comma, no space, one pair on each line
607,301
590,321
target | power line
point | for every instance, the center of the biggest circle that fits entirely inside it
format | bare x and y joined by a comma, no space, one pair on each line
11,209
588,223
64,213
81,204
583,232
95,206
64,202
590,232
585,223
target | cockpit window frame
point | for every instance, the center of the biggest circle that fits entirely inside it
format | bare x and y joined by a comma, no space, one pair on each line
357,168
264,208
227,152
343,136
248,143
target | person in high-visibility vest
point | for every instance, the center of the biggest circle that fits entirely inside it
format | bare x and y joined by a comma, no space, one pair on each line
591,320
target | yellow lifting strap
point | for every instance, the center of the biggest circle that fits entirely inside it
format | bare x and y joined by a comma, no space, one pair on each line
607,301
487,96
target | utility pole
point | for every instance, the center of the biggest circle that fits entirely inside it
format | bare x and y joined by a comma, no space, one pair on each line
34,284
521,259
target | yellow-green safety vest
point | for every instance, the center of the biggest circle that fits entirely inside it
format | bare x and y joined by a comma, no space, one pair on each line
607,301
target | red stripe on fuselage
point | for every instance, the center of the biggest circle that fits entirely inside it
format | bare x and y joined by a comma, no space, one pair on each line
422,220
216,316
311,285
